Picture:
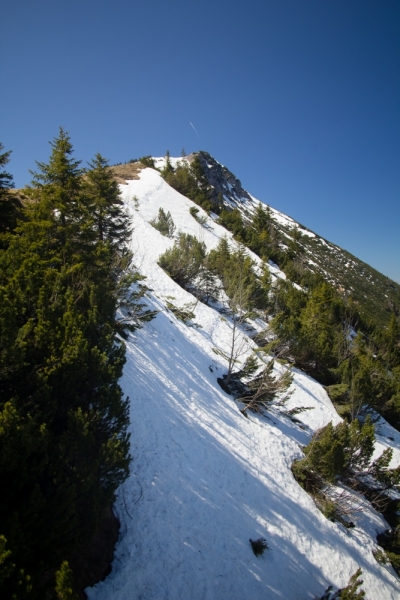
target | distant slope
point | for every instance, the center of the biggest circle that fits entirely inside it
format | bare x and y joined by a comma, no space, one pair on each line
374,293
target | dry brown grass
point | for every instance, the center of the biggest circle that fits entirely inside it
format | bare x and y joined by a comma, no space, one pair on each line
124,173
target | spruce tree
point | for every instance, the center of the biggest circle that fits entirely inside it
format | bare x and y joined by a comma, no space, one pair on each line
164,223
57,184
65,583
63,421
10,206
110,222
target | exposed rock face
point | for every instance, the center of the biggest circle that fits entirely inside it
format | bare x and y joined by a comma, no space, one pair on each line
222,181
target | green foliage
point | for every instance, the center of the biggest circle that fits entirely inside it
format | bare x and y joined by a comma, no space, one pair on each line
168,168
350,592
10,206
262,389
338,393
340,450
6,567
259,233
184,314
164,223
232,220
188,180
390,541
65,583
310,326
109,222
316,330
147,161
239,281
370,381
195,214
63,422
343,452
131,312
319,326
183,262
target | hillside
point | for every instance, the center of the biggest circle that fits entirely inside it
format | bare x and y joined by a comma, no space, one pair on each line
374,293
205,478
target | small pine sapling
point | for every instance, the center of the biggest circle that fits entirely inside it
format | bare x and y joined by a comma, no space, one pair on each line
259,546
265,387
195,214
164,223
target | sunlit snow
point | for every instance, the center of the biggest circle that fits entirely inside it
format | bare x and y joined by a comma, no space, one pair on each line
204,479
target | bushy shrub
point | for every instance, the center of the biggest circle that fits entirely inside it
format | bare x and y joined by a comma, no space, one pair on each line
341,450
147,161
258,546
183,262
164,223
350,592
195,214
262,389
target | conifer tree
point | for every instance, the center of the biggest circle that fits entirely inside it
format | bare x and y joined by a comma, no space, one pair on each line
64,583
168,168
63,422
10,206
57,184
184,261
164,223
110,222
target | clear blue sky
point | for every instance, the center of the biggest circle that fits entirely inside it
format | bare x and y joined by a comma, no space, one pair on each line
299,98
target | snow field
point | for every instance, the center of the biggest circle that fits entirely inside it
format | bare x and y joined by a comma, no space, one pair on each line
204,479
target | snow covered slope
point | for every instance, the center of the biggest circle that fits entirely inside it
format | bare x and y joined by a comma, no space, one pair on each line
373,292
204,479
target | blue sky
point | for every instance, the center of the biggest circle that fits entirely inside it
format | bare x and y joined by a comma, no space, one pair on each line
299,98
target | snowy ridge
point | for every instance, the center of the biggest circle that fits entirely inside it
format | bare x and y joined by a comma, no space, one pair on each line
204,479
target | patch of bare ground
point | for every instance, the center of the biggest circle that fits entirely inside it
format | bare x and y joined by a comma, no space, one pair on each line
20,197
124,173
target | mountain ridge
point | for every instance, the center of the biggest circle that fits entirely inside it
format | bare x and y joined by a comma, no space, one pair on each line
374,293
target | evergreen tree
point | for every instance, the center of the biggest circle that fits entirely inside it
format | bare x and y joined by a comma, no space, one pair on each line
232,220
168,168
164,223
319,330
64,583
110,222
63,422
10,206
184,261
57,185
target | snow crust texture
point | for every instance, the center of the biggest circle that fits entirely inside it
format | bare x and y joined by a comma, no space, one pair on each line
205,479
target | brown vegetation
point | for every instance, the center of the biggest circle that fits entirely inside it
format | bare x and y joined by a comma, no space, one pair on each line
124,173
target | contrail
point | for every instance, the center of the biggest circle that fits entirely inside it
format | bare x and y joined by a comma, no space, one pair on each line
194,129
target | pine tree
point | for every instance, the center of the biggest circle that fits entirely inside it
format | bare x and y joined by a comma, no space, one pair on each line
319,331
168,168
64,583
184,261
10,206
58,185
164,223
63,422
110,222
350,592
